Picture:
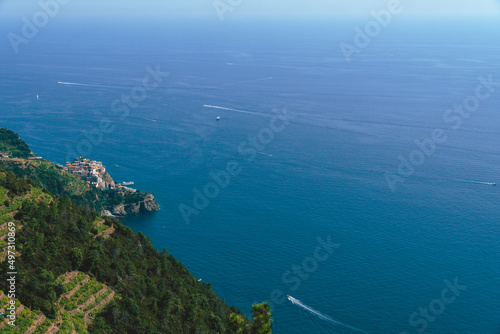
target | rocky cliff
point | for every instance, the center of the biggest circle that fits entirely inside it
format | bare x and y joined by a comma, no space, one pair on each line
109,180
149,204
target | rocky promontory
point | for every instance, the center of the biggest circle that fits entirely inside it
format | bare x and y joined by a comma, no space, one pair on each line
149,204
120,200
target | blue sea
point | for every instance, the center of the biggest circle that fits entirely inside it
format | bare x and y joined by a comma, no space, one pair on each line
422,258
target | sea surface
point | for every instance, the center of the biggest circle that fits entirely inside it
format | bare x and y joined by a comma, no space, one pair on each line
323,175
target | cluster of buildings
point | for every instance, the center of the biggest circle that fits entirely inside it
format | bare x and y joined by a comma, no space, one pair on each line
91,171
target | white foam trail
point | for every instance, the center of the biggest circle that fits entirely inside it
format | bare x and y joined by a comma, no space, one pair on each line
479,182
321,315
269,155
80,84
230,109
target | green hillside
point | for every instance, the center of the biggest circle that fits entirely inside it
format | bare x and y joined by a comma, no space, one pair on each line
79,272
12,144
57,181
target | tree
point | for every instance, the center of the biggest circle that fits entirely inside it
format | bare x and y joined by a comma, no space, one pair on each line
262,318
76,257
238,324
215,323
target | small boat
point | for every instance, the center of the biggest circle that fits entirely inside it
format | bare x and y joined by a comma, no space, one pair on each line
493,184
289,297
37,97
218,118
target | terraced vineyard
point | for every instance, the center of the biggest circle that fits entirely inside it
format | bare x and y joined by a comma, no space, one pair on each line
83,296
9,205
103,229
45,172
27,321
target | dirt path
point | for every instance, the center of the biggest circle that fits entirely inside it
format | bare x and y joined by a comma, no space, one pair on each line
87,319
106,233
69,277
78,286
92,298
38,321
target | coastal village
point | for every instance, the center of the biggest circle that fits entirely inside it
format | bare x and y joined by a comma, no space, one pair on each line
95,174
91,171
126,200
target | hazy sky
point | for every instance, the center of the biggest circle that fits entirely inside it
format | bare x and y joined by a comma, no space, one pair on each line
254,7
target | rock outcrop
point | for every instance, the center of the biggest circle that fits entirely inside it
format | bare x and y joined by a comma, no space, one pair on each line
109,180
149,204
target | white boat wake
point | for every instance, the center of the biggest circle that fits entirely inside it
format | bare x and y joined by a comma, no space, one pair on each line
479,182
230,109
321,315
80,84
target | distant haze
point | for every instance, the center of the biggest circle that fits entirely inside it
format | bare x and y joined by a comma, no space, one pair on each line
285,8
